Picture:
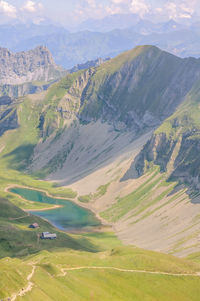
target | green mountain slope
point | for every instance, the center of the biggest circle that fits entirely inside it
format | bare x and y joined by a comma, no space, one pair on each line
17,240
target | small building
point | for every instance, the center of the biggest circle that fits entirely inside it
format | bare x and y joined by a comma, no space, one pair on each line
47,235
34,226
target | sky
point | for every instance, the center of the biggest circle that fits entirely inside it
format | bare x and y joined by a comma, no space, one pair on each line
72,12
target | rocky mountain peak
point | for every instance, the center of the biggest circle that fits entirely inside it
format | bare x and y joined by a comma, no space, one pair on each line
33,65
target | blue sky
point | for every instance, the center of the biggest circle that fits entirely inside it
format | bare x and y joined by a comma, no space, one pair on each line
74,11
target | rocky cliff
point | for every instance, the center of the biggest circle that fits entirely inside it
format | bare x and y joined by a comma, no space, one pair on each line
88,64
33,65
175,145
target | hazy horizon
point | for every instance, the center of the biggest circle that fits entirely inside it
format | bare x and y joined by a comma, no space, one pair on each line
72,13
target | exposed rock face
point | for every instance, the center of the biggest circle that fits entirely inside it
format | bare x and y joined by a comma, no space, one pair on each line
89,64
33,65
175,146
5,100
16,91
8,115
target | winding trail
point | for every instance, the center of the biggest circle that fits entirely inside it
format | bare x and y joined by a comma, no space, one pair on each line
27,289
65,270
17,218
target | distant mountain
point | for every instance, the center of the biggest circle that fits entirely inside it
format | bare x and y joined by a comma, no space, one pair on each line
124,21
11,35
70,49
109,23
146,27
33,65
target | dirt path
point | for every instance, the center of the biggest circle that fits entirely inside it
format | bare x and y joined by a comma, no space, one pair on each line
44,209
25,290
17,218
65,270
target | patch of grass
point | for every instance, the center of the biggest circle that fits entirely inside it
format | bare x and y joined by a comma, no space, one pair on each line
85,198
194,257
131,201
101,190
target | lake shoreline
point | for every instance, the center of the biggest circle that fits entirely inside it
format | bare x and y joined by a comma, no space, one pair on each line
75,201
43,209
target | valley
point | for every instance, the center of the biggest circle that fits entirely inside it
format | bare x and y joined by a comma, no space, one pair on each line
118,144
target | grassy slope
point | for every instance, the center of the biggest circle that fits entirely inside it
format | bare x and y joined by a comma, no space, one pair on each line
139,199
17,240
51,284
186,116
18,144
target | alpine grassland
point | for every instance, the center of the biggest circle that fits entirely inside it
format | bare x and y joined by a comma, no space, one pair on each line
139,274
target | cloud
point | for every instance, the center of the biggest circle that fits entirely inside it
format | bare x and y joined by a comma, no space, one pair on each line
159,10
180,9
118,1
111,10
32,7
8,9
139,7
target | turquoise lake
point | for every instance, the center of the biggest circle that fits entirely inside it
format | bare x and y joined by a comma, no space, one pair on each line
70,217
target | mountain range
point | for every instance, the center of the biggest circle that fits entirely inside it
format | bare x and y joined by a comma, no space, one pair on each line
92,40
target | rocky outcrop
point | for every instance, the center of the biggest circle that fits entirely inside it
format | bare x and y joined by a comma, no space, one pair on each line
175,146
158,150
88,64
33,65
16,91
